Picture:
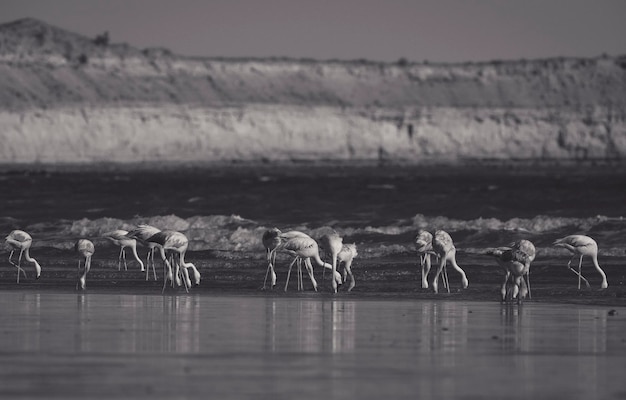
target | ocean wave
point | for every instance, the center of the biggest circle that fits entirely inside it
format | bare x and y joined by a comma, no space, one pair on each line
235,236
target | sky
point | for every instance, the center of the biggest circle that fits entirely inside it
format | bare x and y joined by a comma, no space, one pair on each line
377,30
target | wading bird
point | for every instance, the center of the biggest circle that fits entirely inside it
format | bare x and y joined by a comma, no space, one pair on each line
583,246
175,242
528,249
85,248
119,238
303,248
424,247
271,240
445,250
515,264
142,233
20,240
345,256
332,244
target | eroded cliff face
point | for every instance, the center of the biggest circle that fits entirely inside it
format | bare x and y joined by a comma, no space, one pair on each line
67,99
287,133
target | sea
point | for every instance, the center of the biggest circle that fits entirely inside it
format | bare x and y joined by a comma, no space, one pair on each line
379,207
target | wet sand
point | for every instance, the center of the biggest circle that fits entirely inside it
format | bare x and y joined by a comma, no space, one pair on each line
98,345
387,338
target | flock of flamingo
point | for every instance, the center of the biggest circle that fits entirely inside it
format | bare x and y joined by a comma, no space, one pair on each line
514,259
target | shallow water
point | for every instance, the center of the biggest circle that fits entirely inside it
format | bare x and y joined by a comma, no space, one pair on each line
309,346
386,339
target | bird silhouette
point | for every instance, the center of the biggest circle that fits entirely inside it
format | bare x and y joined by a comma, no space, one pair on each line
119,238
584,246
445,250
20,240
85,248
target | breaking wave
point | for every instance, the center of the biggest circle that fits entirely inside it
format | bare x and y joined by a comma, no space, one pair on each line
234,236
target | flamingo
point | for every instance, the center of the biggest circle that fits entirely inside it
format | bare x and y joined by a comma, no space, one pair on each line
286,236
119,238
333,244
271,240
528,249
303,248
584,246
346,255
142,233
445,250
515,264
86,249
424,247
178,243
20,240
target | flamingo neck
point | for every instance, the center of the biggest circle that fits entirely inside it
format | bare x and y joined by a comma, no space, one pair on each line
594,258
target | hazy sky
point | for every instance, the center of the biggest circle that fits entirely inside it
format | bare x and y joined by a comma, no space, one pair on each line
383,30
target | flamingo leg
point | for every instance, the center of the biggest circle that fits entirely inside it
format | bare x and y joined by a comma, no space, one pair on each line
528,282
464,280
185,274
19,263
309,268
273,276
517,289
425,261
582,277
153,264
289,272
503,289
119,259
334,270
348,270
16,266
124,256
300,283
175,273
270,268
444,277
164,277
148,264
269,265
167,269
442,264
78,283
273,272
579,274
580,264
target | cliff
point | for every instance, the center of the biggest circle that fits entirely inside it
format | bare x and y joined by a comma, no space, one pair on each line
66,98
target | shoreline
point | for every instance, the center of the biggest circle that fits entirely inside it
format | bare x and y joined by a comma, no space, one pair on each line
375,280
493,166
